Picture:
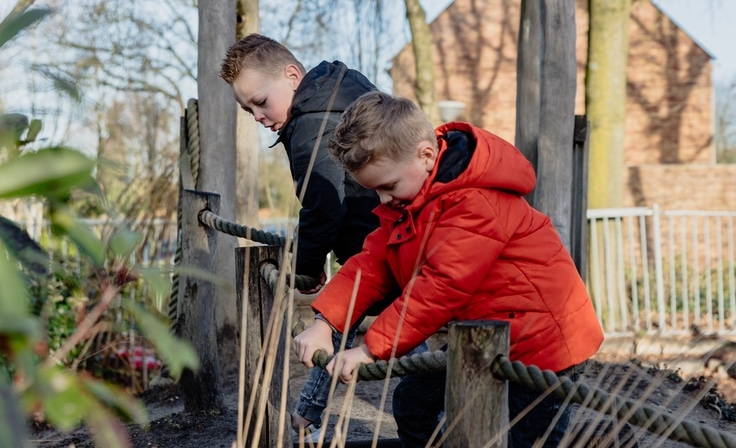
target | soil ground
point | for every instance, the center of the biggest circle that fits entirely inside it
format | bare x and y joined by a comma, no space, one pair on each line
701,395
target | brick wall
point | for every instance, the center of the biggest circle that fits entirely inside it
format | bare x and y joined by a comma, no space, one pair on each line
683,187
669,94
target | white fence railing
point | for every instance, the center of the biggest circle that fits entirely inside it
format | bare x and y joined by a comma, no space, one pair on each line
662,272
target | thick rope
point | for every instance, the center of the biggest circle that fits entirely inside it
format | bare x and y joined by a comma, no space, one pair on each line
218,223
651,419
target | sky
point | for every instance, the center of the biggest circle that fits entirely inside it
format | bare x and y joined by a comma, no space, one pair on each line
710,24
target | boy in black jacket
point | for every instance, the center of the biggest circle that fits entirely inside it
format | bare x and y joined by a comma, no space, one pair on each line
336,214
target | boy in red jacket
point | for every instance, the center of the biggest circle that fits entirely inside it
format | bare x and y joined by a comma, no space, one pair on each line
461,241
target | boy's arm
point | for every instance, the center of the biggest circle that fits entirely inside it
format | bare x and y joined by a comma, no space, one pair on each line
323,209
365,279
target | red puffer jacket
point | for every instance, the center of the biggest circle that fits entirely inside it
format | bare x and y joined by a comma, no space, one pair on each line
470,249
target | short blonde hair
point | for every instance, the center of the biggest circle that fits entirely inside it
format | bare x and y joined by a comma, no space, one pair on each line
379,126
256,51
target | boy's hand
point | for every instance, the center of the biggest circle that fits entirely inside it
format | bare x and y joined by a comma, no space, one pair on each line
344,364
316,337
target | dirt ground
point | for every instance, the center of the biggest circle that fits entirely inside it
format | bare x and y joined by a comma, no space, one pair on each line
702,396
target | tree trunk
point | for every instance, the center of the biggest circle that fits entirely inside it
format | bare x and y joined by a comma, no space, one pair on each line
422,44
605,99
217,124
247,142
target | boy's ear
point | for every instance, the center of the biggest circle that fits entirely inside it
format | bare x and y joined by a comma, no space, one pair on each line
428,155
293,75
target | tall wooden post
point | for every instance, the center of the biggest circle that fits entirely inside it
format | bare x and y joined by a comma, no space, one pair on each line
217,123
547,70
264,362
476,403
201,390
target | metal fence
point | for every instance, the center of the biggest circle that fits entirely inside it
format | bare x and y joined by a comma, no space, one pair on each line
662,272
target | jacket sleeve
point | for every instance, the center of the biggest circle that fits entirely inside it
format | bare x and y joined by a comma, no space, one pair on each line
466,239
321,191
364,280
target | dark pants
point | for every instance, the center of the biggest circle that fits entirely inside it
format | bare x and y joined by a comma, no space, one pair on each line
419,401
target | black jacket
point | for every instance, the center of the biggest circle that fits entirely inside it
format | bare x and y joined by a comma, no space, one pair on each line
336,212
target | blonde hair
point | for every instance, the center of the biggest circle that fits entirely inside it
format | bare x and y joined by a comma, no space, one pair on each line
379,126
258,52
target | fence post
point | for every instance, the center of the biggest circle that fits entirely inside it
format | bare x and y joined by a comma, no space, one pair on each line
262,358
201,390
476,403
579,203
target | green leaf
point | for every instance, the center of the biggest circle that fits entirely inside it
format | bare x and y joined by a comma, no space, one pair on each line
13,293
14,24
63,222
107,430
176,354
48,172
157,278
62,83
33,129
64,402
12,422
124,242
22,246
113,397
12,127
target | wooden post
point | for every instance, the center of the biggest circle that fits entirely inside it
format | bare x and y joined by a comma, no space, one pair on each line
201,390
547,70
256,299
579,215
217,159
528,71
476,403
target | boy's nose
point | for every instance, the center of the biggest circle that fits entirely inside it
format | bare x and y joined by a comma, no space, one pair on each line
384,198
259,116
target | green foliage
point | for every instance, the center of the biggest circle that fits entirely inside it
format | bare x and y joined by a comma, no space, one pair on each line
34,298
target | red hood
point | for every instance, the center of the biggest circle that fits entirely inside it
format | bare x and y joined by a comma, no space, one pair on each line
495,164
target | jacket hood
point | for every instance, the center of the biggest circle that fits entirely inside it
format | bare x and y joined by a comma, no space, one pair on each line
320,84
494,164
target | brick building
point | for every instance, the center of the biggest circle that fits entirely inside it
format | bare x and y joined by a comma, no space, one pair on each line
669,150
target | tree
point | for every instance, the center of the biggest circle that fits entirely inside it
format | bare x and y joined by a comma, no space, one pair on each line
422,44
605,98
247,141
725,137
